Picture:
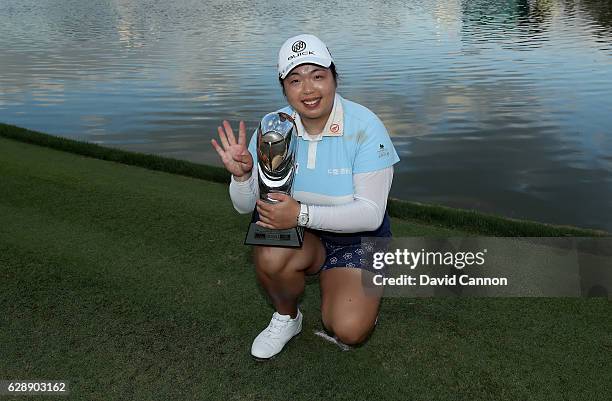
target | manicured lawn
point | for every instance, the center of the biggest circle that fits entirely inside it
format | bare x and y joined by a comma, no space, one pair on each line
134,284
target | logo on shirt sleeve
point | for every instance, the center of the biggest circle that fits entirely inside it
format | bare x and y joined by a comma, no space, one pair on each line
382,151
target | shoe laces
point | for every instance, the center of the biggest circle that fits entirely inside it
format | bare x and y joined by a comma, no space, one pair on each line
276,326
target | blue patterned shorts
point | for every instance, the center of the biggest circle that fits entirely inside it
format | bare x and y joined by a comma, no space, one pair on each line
351,250
356,255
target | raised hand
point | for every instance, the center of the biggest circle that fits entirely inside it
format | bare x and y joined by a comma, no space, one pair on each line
235,155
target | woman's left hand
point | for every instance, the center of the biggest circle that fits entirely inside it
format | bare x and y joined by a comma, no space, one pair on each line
279,216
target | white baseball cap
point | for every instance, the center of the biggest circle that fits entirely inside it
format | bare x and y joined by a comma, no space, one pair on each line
302,49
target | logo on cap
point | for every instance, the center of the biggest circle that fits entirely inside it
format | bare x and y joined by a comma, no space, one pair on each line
298,46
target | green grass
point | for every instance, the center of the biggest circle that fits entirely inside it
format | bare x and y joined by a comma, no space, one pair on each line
134,284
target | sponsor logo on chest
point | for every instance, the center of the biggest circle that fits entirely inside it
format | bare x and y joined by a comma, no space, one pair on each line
339,171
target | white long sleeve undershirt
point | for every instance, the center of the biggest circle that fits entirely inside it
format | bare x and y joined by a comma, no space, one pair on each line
364,213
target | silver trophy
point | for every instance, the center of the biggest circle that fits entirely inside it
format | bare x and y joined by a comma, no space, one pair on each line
276,152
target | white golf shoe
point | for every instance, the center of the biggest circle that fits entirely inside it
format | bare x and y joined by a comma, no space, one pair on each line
274,337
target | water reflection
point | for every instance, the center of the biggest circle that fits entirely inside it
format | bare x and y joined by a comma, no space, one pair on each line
599,12
500,106
520,25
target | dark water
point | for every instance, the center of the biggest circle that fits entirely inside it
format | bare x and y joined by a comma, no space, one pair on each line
501,106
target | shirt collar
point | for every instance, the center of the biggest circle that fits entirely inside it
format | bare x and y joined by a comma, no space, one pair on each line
333,127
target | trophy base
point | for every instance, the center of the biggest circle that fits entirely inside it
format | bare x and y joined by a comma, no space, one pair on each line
289,238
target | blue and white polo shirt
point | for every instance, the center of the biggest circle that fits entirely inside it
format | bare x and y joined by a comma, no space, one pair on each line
353,141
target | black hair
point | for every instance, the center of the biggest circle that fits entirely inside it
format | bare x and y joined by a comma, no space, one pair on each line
332,68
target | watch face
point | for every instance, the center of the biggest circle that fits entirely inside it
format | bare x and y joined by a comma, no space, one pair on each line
303,219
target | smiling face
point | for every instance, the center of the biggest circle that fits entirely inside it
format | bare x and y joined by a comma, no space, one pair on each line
310,90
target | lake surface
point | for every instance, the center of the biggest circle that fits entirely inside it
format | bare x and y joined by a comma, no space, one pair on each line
500,106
